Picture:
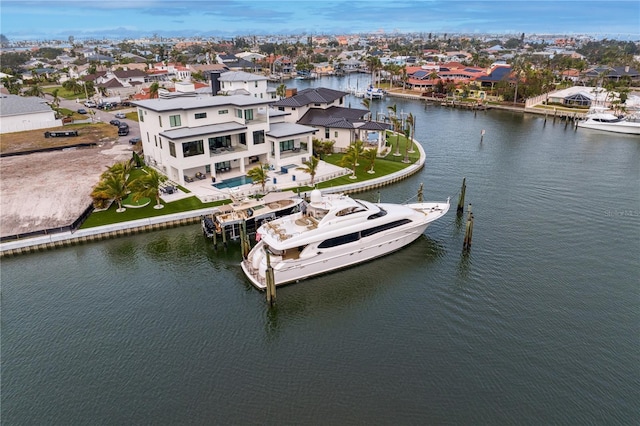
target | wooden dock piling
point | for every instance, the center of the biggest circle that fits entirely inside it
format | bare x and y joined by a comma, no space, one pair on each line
468,233
245,245
463,190
420,192
271,284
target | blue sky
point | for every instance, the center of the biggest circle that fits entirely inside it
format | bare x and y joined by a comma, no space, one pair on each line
59,19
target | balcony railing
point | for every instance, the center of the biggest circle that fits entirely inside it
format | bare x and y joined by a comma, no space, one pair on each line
227,149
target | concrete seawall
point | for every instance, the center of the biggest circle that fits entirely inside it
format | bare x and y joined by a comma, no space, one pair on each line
82,236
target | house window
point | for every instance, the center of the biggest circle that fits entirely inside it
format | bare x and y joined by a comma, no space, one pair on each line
327,135
242,138
223,166
174,121
172,149
219,142
140,115
258,137
160,120
239,113
201,115
280,108
335,134
155,139
248,114
223,111
256,84
286,145
189,149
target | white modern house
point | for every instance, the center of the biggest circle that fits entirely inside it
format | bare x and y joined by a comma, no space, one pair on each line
244,83
20,113
218,137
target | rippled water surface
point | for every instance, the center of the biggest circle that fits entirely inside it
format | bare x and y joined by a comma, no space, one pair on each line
538,324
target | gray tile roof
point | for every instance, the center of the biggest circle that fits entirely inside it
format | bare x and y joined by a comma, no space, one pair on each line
333,117
19,105
320,95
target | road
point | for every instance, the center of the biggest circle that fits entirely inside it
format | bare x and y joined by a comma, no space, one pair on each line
99,115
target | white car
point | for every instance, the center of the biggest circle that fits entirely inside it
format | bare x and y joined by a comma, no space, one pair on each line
90,104
121,115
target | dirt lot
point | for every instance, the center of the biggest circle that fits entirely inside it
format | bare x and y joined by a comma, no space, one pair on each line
35,139
45,190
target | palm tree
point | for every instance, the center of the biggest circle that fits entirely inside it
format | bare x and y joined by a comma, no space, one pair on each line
407,135
393,113
148,186
374,64
370,155
12,84
411,121
281,91
111,186
327,147
311,167
358,148
35,90
259,175
396,129
153,90
56,99
349,160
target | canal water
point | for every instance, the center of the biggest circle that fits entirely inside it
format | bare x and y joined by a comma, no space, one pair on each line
538,324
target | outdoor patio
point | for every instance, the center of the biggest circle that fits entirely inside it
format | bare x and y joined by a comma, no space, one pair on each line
278,180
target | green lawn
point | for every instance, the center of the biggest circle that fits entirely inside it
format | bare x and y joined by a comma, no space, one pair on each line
382,167
132,116
63,93
110,216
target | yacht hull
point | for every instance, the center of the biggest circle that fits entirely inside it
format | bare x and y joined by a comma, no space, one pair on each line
323,261
630,128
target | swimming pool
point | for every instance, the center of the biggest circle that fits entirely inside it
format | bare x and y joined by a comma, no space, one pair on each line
233,182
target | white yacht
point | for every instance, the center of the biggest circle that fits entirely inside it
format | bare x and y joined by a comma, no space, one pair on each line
601,118
332,232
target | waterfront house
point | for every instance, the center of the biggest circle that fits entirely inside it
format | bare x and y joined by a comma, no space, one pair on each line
218,136
326,110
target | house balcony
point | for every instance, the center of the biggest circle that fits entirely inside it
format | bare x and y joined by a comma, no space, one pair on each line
295,152
223,150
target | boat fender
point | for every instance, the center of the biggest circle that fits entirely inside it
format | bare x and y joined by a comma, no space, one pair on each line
249,212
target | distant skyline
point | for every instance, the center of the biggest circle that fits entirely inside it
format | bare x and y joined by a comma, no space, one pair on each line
115,19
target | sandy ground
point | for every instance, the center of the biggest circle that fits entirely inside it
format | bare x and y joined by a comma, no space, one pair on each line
47,190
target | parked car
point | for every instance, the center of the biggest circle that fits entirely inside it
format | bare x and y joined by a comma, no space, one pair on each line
134,141
115,122
121,115
123,129
126,104
82,111
90,104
